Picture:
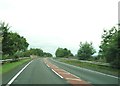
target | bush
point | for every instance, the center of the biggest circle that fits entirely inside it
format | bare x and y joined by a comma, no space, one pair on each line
115,64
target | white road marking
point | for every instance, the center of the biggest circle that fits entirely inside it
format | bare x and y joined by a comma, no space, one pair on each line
11,81
71,74
47,65
65,72
57,73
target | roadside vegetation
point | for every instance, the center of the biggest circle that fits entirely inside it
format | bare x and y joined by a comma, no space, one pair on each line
109,53
91,66
110,47
85,51
15,46
14,49
10,66
63,52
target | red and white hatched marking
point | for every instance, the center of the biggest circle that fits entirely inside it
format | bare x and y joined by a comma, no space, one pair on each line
70,78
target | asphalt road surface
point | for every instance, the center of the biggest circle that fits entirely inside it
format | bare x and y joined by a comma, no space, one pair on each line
37,73
92,77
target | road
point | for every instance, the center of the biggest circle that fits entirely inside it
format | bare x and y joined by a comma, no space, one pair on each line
92,77
38,72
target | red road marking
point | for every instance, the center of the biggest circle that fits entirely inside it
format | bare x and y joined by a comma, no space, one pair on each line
72,79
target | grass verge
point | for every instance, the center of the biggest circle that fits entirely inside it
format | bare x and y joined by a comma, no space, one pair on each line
95,67
9,66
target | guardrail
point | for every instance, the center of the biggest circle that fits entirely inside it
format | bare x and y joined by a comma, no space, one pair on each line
5,61
12,60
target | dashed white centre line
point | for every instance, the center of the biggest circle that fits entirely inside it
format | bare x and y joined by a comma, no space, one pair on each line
47,65
57,73
11,81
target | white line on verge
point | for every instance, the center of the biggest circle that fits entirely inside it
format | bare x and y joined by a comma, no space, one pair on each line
57,74
10,82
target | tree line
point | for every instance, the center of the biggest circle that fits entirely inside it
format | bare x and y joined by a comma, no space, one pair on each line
109,49
15,46
38,52
63,52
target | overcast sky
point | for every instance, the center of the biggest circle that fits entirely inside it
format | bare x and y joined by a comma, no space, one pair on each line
49,24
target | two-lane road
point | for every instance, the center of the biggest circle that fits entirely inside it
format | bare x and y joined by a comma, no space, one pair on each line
38,73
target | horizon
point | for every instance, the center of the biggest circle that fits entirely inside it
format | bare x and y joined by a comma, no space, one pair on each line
65,23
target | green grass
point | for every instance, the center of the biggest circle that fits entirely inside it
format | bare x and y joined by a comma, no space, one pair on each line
103,69
0,69
9,66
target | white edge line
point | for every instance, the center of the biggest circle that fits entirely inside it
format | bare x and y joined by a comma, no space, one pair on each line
57,73
10,82
89,70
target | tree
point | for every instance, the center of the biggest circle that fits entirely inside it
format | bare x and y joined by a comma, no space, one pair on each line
109,48
36,51
1,38
12,42
4,33
85,51
47,54
60,52
27,53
